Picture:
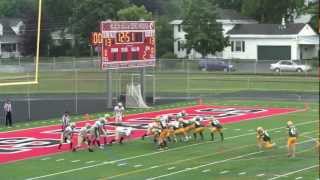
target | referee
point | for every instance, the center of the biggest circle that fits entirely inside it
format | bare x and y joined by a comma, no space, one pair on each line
8,112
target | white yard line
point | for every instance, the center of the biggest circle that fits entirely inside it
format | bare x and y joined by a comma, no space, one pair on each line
149,154
212,163
89,162
75,161
293,172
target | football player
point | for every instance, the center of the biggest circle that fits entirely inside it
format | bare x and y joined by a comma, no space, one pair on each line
215,127
121,133
83,137
199,127
264,139
66,135
119,112
98,131
292,139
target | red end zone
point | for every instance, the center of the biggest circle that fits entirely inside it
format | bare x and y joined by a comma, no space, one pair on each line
23,144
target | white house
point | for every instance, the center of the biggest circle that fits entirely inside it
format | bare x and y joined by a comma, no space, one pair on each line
250,40
11,30
227,17
272,41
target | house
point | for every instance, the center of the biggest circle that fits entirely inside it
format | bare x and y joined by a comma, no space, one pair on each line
250,40
227,17
11,30
272,41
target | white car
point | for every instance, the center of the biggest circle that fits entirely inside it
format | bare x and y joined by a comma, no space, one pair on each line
286,65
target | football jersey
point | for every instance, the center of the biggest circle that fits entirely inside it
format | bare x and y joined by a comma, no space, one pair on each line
293,131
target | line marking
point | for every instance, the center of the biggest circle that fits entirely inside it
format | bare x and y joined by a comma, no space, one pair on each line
237,129
242,173
58,160
299,177
75,161
171,168
206,170
149,154
224,172
138,165
260,175
122,164
293,172
44,159
89,162
154,167
213,163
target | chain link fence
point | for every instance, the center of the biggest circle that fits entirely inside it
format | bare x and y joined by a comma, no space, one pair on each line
79,86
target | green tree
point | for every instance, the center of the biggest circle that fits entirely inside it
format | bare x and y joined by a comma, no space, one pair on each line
313,9
204,33
16,8
230,4
86,18
134,13
272,11
164,36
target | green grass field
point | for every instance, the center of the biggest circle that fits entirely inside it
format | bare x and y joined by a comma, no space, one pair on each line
236,158
195,82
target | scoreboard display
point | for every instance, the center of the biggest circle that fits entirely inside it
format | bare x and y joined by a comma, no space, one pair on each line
126,44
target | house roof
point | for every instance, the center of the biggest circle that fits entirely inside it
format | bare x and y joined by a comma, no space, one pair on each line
9,34
266,29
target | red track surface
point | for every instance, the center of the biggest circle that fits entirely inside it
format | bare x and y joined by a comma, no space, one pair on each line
41,141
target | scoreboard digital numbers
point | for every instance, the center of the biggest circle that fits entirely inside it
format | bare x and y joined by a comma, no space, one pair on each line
126,44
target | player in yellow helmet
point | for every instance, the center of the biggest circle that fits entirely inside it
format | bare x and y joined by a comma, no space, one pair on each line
292,139
264,139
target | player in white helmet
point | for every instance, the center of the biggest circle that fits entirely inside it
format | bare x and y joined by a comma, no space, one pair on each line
119,112
83,137
121,133
65,121
66,135
98,131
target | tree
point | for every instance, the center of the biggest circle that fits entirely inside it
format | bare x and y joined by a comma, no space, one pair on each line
204,33
313,9
164,36
230,4
272,11
134,13
86,18
15,8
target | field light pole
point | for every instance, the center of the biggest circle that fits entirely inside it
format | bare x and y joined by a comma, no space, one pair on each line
142,82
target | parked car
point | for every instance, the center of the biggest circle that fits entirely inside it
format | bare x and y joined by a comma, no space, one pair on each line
287,65
215,65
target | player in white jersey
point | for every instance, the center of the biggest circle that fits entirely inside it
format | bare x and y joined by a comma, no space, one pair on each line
121,133
83,137
65,120
66,135
98,131
118,113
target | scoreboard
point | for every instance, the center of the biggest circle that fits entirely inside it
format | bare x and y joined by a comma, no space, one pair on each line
126,44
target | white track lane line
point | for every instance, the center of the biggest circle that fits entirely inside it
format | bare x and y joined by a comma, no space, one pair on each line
212,163
293,172
150,154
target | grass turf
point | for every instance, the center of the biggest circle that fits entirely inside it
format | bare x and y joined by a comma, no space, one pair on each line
229,160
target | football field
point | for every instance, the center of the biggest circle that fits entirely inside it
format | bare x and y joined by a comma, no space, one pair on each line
236,158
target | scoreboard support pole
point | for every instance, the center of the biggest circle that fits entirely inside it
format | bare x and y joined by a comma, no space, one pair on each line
109,84
142,82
